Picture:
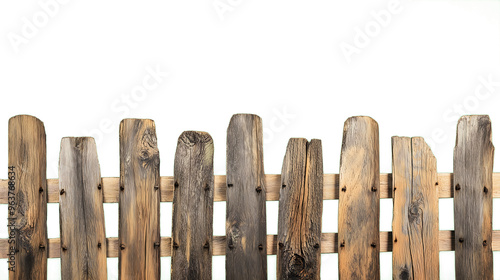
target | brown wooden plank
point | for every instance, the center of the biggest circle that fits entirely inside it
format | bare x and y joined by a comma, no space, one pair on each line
300,211
472,169
139,206
192,209
27,198
359,200
111,187
246,200
81,214
415,220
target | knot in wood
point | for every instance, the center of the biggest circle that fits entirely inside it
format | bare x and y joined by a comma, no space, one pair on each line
297,265
414,213
405,274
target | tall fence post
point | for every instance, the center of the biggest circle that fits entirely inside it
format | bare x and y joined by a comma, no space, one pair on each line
81,214
359,200
415,225
27,199
192,209
300,211
139,206
246,251
472,178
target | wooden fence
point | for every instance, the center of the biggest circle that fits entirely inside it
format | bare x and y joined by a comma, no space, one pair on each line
414,186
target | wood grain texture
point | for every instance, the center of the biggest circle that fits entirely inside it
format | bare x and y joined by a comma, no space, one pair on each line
300,211
81,214
27,156
246,256
139,206
359,200
472,169
192,210
111,187
416,210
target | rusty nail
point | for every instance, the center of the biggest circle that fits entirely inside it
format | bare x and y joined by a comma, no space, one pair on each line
394,189
207,187
373,245
283,186
316,245
176,184
261,247
206,245
40,189
229,185
175,245
485,189
122,188
457,187
99,187
281,245
62,192
342,244
99,245
344,188
122,246
395,240
157,244
64,248
231,246
42,247
461,240
156,188
374,189
259,189
484,243
437,183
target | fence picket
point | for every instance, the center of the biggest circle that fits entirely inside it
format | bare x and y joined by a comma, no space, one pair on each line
246,256
139,206
27,171
81,214
300,211
359,201
472,169
192,210
415,225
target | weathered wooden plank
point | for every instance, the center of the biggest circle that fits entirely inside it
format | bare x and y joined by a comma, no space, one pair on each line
415,220
472,169
300,211
192,209
359,200
139,206
246,200
27,198
111,187
81,214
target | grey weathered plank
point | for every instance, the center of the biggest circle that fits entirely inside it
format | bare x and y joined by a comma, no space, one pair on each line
81,214
139,206
359,200
472,169
192,210
27,171
300,211
415,222
246,256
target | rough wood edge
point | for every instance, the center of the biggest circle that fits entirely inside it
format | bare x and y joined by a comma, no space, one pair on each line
273,183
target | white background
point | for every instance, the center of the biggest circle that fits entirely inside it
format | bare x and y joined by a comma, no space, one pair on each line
80,66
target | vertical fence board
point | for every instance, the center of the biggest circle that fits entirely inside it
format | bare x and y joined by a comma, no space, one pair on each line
27,161
81,214
246,256
472,168
415,226
359,200
192,210
300,211
139,205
